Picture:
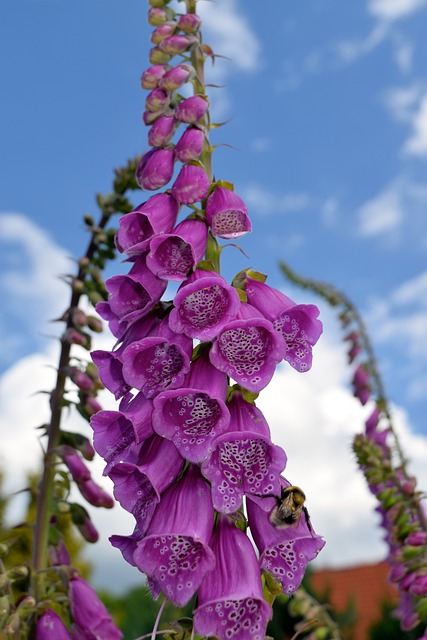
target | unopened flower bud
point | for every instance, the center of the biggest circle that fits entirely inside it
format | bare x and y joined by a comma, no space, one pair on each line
409,485
190,145
419,586
157,56
95,495
26,605
151,77
155,169
81,518
174,45
72,336
78,316
80,379
157,100
92,406
176,77
158,15
12,624
191,110
19,573
75,464
189,23
192,185
58,554
416,538
162,131
163,31
51,627
94,324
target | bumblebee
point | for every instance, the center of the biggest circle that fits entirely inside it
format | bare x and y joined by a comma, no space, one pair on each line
289,508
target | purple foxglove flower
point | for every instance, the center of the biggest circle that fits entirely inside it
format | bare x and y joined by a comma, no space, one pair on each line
248,349
157,215
138,484
416,538
195,414
117,432
89,613
230,601
175,554
190,145
51,627
191,185
361,384
176,77
127,544
157,100
203,305
80,379
151,77
161,131
176,44
95,495
132,296
155,169
174,255
243,460
297,323
58,554
75,464
372,422
110,363
159,361
157,56
227,214
286,550
419,586
191,110
189,23
163,31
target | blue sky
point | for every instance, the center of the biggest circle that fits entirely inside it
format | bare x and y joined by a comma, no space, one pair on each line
327,102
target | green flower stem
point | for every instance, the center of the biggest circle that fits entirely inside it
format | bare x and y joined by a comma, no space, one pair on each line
109,205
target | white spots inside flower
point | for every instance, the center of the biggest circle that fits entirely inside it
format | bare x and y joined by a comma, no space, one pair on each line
285,564
237,619
230,223
132,297
298,350
174,258
205,307
245,350
156,368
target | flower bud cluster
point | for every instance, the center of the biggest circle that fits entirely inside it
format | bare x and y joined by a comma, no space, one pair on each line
402,515
185,449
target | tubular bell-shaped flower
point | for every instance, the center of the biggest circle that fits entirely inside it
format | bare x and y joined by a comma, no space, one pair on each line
248,349
155,169
175,554
191,185
191,110
296,323
174,255
230,601
161,131
243,460
195,414
115,433
139,482
203,305
227,214
137,228
190,145
159,361
89,614
284,551
51,627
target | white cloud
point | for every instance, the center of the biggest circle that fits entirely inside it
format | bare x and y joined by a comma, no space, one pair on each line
381,214
416,145
409,105
403,54
350,50
394,9
265,202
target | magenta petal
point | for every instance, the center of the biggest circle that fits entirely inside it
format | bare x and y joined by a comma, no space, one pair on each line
137,228
191,109
174,255
203,305
248,349
192,185
230,602
285,551
127,544
51,627
174,553
155,169
190,145
193,416
244,460
89,613
227,214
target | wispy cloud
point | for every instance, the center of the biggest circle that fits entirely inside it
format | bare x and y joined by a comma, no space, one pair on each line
409,105
382,214
391,10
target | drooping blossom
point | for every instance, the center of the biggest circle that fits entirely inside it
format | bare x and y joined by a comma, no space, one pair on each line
203,305
248,349
191,110
175,553
90,616
155,169
151,77
176,44
191,185
159,361
157,100
51,627
227,214
161,131
243,460
140,480
137,228
283,551
174,255
230,604
116,433
195,414
190,145
296,323
177,76
361,384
